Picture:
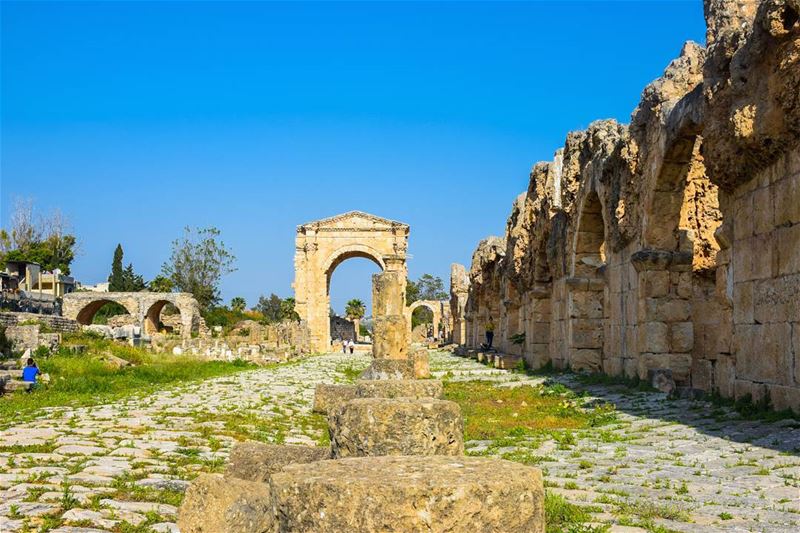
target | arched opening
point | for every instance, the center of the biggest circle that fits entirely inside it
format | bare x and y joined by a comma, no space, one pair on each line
590,252
422,327
105,312
349,295
162,317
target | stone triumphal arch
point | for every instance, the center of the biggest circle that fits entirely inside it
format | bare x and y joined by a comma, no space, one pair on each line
323,245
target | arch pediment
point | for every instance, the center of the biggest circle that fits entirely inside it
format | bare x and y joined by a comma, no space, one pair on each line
353,221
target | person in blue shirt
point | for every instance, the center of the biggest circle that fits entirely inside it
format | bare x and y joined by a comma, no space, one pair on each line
31,371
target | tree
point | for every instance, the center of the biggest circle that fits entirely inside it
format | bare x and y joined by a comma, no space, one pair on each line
355,309
287,309
238,304
37,239
131,281
115,279
269,307
160,284
197,263
427,287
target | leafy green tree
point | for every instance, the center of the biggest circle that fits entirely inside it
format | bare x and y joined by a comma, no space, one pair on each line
160,284
42,240
198,261
355,309
427,287
115,279
238,304
270,307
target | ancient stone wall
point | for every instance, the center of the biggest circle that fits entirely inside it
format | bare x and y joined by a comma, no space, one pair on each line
53,322
671,244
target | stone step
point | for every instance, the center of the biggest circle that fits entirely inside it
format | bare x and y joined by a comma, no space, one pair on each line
507,362
15,385
12,374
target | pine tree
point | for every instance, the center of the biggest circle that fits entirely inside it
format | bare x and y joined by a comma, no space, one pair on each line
116,281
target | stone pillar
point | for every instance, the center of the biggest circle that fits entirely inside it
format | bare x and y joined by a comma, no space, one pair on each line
390,329
537,327
665,333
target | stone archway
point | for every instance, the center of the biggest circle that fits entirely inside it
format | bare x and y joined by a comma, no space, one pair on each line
436,307
323,245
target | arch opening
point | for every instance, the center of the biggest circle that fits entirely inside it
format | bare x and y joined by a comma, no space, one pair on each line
590,242
160,309
349,295
102,311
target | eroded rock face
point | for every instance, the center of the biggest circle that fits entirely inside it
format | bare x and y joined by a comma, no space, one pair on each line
399,388
401,494
256,461
327,397
396,426
678,224
214,504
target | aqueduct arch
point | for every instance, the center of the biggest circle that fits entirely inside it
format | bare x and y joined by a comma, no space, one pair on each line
323,245
144,307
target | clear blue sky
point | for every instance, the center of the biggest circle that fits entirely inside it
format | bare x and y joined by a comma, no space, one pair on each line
136,119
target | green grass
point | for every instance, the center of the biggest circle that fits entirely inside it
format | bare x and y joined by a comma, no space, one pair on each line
83,379
492,412
564,517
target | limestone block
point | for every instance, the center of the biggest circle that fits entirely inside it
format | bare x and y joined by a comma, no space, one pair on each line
585,360
402,494
256,461
389,369
654,283
784,398
681,337
744,388
724,376
396,426
787,208
764,354
668,309
326,397
743,302
399,388
653,337
421,363
214,504
390,337
788,248
588,338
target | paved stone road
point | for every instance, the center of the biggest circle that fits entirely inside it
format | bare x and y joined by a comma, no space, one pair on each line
92,470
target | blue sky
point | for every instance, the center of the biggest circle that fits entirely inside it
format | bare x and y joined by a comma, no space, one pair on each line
137,119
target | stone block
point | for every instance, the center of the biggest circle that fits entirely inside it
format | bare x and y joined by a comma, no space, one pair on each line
764,256
743,302
388,297
668,309
540,333
681,337
326,397
763,211
788,248
399,388
586,305
653,337
403,494
390,337
613,366
389,369
724,376
654,283
585,360
787,206
703,375
396,426
743,221
214,504
421,362
681,366
588,338
256,461
757,392
765,356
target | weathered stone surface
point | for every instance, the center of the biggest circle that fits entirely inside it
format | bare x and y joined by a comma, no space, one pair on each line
399,388
420,361
326,396
214,504
400,494
256,461
396,426
389,369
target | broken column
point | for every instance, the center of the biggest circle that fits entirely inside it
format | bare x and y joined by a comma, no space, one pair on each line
388,301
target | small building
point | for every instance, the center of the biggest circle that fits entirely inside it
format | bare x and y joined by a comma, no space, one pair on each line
29,279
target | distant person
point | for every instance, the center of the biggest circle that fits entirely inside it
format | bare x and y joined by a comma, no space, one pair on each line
489,333
344,346
352,346
31,371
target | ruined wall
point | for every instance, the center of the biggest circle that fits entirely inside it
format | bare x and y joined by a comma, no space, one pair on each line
670,244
